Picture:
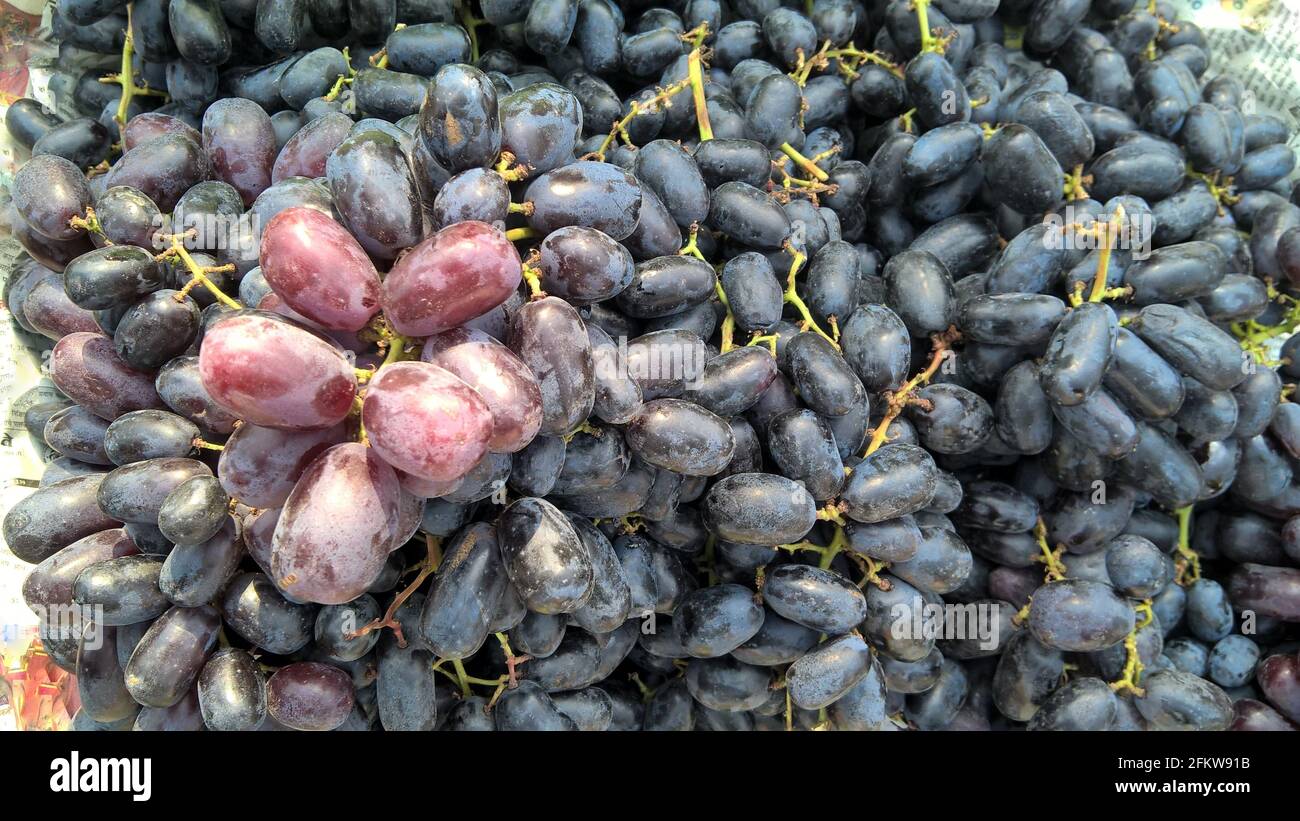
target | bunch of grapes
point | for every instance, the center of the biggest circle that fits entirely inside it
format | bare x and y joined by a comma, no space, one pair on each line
726,365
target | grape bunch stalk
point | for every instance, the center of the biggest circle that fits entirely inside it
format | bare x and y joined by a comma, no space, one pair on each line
718,365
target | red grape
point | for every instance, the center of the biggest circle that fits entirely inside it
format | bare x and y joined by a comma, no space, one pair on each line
459,273
425,421
87,369
336,527
319,270
273,374
500,377
260,466
147,126
427,488
50,313
308,695
305,153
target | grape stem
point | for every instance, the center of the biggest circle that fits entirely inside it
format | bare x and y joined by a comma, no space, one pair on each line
533,277
343,79
804,163
928,41
198,273
647,693
380,58
695,73
1106,233
692,249
636,108
512,661
1133,667
471,24
1050,558
791,295
433,558
850,59
508,170
517,234
1188,565
200,442
125,77
89,223
1074,183
707,560
871,570
838,542
942,343
1256,338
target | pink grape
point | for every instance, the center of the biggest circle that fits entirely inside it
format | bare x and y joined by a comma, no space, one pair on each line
144,127
422,419
271,373
501,378
305,153
319,270
337,526
239,137
410,510
50,313
308,695
260,466
259,531
86,368
427,488
459,273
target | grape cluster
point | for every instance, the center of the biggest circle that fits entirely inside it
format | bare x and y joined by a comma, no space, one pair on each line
726,365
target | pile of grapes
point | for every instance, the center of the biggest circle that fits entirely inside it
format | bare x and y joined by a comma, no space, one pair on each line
725,365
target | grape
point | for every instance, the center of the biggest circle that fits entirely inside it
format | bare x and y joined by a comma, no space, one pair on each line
126,589
274,374
682,437
383,216
666,285
1175,700
544,558
254,610
335,625
100,686
135,492
48,191
1079,616
171,654
824,674
461,601
528,707
157,329
148,434
333,561
405,690
894,481
540,125
54,517
193,574
319,270
78,434
456,275
232,691
1270,591
407,399
162,168
503,381
259,466
307,695
549,336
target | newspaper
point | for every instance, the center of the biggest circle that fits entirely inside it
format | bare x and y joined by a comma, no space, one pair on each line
1253,40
